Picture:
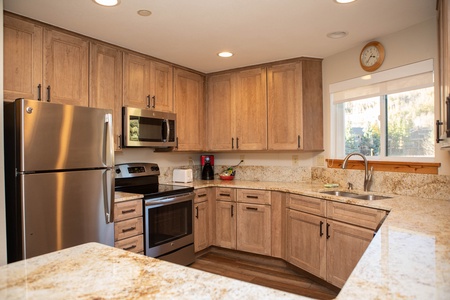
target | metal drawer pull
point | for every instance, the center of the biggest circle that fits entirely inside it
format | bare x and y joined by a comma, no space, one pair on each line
321,228
196,212
224,195
129,229
129,248
251,208
252,197
128,211
201,196
328,229
232,210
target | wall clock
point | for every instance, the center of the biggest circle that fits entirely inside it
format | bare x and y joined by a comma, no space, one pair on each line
372,56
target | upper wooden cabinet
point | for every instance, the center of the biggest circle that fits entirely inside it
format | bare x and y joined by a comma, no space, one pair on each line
66,68
189,103
295,114
105,84
444,60
237,110
22,63
147,83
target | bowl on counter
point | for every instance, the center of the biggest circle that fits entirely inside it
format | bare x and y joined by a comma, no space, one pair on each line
226,177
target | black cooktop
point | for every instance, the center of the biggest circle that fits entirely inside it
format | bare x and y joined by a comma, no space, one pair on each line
142,178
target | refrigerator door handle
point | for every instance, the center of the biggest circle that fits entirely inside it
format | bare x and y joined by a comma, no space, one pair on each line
108,142
108,196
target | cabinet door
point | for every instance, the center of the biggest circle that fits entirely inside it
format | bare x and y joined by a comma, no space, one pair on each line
220,125
284,102
22,59
226,224
162,86
306,242
189,107
136,81
201,226
345,246
254,228
66,68
105,89
250,107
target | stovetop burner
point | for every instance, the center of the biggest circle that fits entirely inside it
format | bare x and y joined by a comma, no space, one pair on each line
142,178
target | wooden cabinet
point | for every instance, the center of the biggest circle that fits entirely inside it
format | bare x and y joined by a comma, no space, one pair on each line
66,68
444,59
237,110
22,63
295,105
203,219
225,218
44,63
327,238
147,83
254,221
189,102
105,84
306,242
128,226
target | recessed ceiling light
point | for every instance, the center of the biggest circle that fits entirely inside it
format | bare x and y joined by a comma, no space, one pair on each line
344,1
144,12
107,2
337,34
225,54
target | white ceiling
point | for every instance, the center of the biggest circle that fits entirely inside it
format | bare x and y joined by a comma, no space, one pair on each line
191,33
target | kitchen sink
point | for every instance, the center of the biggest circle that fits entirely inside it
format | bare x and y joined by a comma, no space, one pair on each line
340,193
371,197
355,195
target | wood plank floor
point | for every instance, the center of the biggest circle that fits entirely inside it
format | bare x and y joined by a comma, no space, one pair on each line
269,272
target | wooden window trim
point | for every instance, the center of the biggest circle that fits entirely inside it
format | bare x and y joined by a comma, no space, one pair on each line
387,166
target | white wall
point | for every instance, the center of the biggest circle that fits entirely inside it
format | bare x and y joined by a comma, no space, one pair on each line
2,166
413,44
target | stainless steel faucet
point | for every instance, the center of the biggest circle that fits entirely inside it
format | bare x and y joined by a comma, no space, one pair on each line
367,173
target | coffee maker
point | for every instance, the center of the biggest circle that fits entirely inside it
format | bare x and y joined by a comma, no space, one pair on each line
207,167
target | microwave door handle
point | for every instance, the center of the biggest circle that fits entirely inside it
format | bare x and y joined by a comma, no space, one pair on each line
168,130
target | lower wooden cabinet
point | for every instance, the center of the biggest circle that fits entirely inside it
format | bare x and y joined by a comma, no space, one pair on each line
128,226
254,228
226,224
202,219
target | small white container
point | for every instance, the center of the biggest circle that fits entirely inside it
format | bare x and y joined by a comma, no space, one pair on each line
182,175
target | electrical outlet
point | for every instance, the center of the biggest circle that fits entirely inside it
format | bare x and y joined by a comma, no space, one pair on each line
320,160
190,161
294,160
243,159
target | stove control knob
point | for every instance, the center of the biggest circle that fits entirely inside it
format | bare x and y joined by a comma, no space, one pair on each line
118,171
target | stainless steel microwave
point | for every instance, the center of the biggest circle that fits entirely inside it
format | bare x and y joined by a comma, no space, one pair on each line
148,128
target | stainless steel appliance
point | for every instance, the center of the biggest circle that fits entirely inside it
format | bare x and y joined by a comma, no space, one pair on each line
148,128
168,212
59,177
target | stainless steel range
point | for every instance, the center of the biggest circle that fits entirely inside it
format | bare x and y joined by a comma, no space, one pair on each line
168,212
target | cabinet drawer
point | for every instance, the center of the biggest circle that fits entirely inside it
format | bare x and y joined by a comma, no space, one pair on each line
225,194
128,228
353,214
307,204
133,244
201,195
127,210
253,196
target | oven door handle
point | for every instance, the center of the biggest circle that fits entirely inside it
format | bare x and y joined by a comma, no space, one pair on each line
169,200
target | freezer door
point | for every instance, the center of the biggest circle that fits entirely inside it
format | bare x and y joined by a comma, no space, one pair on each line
59,137
65,209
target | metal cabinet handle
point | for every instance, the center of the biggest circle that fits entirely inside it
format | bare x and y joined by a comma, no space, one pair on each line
128,211
119,141
154,102
232,210
328,231
252,197
129,229
176,144
321,228
237,143
298,141
129,248
251,208
148,101
232,143
48,93
224,195
201,195
39,92
196,212
438,134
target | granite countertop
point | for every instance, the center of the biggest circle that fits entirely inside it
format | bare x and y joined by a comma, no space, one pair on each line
409,258
121,196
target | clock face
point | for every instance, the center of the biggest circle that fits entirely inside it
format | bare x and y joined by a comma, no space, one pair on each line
370,56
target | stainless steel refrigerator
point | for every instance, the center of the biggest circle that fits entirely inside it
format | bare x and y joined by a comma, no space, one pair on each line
59,177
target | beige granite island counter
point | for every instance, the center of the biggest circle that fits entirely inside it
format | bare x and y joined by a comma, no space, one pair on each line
95,271
409,257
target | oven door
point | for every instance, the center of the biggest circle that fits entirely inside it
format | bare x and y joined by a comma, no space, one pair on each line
168,224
